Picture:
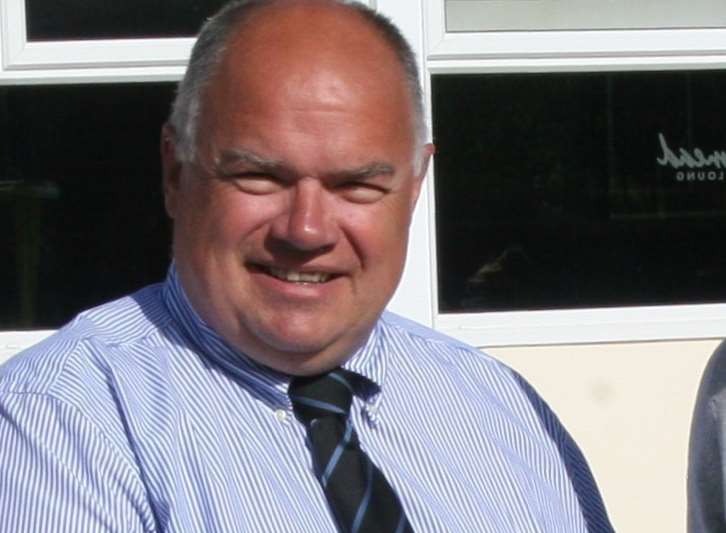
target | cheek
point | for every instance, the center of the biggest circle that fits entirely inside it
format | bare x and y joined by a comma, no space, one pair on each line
379,236
231,217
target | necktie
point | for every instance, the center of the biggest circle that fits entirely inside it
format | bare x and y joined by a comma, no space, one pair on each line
361,499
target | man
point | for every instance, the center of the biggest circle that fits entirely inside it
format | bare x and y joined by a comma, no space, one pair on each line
706,474
292,164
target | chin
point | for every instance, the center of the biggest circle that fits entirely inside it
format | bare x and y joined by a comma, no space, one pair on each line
300,356
301,364
297,337
296,344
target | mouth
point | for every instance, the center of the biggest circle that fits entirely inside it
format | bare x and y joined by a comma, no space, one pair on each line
295,276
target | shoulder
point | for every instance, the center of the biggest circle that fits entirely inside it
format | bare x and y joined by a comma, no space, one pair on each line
126,320
464,375
460,372
432,347
710,406
498,401
409,331
706,481
70,387
84,343
713,382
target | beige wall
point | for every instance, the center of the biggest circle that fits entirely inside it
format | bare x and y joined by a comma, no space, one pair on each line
629,407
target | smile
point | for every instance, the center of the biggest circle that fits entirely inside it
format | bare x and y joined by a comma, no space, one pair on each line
298,277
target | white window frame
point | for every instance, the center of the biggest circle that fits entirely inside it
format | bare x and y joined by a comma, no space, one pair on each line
444,52
84,61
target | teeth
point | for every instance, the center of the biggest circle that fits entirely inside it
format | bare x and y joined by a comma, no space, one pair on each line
299,277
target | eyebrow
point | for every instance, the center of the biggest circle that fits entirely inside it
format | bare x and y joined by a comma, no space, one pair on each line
236,155
370,170
233,156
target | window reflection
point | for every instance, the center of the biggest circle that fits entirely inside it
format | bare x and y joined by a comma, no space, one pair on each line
580,190
59,20
80,198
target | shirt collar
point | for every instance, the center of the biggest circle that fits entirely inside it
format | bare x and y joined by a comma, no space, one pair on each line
369,361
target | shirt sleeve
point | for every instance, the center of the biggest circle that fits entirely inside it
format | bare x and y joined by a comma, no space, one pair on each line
706,450
59,473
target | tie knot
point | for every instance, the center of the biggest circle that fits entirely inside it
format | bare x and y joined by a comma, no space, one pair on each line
321,396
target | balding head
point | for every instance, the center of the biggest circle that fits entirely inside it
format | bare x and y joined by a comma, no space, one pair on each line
235,18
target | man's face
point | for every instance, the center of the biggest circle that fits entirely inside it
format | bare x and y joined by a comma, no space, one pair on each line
290,228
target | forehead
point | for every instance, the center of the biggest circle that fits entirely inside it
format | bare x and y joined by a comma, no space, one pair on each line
289,23
312,83
298,50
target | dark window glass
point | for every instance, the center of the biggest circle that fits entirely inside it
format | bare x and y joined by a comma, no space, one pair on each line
52,20
80,198
564,190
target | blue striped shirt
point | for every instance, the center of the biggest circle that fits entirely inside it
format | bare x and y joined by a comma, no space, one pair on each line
137,417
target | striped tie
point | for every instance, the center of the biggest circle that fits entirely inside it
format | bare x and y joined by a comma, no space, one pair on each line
361,499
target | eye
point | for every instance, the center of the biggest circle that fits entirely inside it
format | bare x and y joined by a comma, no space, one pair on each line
361,192
257,183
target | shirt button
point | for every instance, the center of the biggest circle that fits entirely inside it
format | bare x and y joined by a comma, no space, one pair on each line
281,415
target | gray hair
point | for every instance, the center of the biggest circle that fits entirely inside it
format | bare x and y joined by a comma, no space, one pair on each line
210,47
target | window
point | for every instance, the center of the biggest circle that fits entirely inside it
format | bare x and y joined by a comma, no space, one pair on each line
579,190
80,197
539,319
54,41
538,15
65,20
680,44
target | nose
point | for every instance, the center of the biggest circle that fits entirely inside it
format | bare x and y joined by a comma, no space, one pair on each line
308,223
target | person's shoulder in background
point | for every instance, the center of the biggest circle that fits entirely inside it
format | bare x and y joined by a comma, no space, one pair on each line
706,474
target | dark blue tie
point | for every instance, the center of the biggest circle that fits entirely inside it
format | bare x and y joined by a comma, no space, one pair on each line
359,496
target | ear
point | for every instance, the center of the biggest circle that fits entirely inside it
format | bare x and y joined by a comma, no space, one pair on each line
423,166
170,169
